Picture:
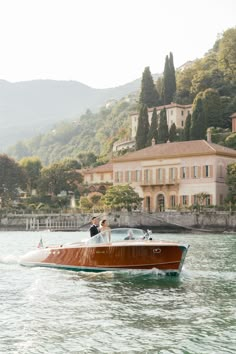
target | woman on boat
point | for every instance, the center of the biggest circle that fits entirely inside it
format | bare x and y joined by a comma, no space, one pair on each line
105,230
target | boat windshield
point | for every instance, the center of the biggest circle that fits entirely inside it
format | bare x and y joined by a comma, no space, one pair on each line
117,235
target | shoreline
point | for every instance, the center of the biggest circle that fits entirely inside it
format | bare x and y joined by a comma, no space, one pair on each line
165,222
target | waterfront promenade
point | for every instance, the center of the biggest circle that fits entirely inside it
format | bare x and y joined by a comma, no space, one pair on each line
169,221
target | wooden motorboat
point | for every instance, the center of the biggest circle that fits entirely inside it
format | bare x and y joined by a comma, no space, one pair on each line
117,249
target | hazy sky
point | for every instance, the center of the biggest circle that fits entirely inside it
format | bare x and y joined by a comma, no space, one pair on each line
105,43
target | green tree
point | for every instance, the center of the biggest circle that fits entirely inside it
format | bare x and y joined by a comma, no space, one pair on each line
32,167
184,78
187,127
230,141
85,204
169,80
207,74
163,133
87,159
212,107
153,133
227,53
228,107
71,164
172,75
198,122
57,177
159,88
173,133
11,179
226,111
142,129
95,199
201,198
122,196
231,182
148,94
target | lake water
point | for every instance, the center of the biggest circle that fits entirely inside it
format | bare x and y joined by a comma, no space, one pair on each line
59,312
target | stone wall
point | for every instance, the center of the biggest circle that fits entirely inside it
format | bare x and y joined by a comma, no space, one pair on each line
162,222
178,221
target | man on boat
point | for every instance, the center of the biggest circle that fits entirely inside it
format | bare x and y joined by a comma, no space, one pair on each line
94,227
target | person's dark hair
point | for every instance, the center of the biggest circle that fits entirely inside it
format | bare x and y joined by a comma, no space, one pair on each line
94,217
103,221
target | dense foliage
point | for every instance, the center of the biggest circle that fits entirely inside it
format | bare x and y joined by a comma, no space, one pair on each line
213,77
216,70
32,167
153,132
122,196
198,121
60,176
148,94
231,181
143,128
169,81
163,133
12,178
93,133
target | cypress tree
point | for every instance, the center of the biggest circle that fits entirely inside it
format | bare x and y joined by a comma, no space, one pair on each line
166,80
198,121
169,80
143,128
172,75
226,111
148,94
187,127
173,133
153,134
163,134
159,88
212,106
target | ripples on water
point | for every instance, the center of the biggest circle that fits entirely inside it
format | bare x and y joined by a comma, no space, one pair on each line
58,311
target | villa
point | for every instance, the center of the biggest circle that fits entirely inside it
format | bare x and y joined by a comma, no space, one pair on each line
175,113
172,174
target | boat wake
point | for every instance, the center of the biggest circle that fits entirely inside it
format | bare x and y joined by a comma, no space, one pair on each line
149,274
9,259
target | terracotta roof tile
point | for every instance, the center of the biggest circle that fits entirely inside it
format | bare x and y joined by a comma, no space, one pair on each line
177,149
108,167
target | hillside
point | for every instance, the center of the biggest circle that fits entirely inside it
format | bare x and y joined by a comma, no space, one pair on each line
212,79
91,132
33,107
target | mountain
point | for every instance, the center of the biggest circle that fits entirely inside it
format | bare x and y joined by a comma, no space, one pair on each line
33,107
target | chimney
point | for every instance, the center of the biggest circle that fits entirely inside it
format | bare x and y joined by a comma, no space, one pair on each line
209,135
233,117
153,142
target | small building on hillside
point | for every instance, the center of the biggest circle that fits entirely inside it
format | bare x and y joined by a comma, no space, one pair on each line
176,113
123,145
98,178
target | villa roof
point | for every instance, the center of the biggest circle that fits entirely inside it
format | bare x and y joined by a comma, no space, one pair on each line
108,167
177,149
167,106
233,115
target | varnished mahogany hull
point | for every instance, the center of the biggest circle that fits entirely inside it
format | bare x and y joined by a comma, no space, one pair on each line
139,255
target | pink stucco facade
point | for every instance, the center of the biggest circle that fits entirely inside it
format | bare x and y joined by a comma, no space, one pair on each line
175,174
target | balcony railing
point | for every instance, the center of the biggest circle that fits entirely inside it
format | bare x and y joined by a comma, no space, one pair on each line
154,182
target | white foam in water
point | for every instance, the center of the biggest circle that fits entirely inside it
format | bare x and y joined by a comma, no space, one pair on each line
9,259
